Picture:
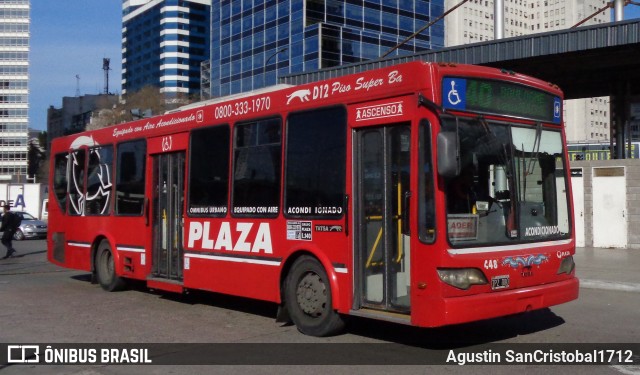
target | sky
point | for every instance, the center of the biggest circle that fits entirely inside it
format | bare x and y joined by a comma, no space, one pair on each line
71,37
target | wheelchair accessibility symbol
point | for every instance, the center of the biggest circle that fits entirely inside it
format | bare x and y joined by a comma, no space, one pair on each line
454,97
454,92
557,110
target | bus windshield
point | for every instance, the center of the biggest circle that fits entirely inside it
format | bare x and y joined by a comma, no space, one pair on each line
511,187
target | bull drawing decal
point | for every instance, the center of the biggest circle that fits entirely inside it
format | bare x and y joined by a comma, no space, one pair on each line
98,193
103,192
77,177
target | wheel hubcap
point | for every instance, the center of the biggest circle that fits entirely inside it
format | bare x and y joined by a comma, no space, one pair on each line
311,295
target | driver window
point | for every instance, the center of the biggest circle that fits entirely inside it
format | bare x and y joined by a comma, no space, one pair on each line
461,193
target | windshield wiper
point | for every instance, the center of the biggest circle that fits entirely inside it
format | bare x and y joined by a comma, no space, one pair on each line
491,140
536,148
535,151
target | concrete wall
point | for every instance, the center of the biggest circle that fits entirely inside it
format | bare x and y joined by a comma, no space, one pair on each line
632,174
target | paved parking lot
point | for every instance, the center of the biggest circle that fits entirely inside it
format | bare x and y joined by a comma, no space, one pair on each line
45,304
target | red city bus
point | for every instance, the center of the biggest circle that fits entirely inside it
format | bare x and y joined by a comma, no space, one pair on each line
424,194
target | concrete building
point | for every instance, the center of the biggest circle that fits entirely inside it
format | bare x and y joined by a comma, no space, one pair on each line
253,42
14,93
586,120
163,44
75,114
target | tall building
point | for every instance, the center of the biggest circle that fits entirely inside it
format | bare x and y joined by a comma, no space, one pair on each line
255,41
163,44
586,120
14,93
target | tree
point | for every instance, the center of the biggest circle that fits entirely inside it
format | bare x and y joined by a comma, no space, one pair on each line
148,99
36,155
43,138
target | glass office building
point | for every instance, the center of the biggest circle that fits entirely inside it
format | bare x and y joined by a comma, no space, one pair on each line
14,91
253,42
163,44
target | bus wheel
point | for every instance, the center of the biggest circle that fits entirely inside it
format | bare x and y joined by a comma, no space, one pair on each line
308,299
105,269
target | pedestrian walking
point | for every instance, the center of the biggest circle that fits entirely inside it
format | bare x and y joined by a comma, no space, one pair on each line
8,229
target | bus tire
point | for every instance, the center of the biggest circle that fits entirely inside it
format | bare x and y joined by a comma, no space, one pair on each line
308,299
105,269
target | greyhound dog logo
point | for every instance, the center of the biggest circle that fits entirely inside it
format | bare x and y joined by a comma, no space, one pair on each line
303,95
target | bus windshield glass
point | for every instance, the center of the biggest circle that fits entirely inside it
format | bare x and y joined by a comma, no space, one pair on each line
511,187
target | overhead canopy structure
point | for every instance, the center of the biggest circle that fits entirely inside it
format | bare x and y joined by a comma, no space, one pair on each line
585,62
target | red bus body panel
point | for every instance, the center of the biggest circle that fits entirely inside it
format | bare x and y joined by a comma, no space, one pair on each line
249,257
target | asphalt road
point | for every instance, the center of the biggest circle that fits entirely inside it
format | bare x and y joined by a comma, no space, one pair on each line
44,304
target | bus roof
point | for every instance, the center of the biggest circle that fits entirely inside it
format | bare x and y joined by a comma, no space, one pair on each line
222,99
370,86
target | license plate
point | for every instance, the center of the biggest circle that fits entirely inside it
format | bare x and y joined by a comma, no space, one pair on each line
500,282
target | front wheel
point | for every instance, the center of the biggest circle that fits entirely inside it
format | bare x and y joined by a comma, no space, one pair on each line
308,299
105,269
18,235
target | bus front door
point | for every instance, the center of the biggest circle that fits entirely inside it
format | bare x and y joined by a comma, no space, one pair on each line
168,203
382,207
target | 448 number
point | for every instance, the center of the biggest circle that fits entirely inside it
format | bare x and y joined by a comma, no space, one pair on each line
491,264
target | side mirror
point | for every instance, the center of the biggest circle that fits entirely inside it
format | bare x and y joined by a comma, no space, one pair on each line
448,154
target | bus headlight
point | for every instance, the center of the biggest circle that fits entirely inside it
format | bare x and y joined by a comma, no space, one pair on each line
567,265
462,278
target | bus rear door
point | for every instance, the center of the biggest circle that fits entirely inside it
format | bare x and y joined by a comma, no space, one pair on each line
167,206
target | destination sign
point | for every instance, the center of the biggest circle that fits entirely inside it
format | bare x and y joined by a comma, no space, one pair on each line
500,98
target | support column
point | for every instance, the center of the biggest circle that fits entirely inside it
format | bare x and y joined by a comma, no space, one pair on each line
619,120
498,19
618,6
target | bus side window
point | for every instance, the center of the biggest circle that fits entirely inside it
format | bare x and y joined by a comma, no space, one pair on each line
60,180
256,168
316,163
99,181
76,183
209,171
130,180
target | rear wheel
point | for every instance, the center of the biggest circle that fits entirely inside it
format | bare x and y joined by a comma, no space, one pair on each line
18,235
308,299
105,269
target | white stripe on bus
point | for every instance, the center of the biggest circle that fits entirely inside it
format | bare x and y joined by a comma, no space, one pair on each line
132,249
78,244
495,249
235,259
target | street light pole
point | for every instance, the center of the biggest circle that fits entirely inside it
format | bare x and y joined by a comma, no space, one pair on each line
264,67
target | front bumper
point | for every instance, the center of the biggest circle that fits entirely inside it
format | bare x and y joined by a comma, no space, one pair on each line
458,310
35,233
